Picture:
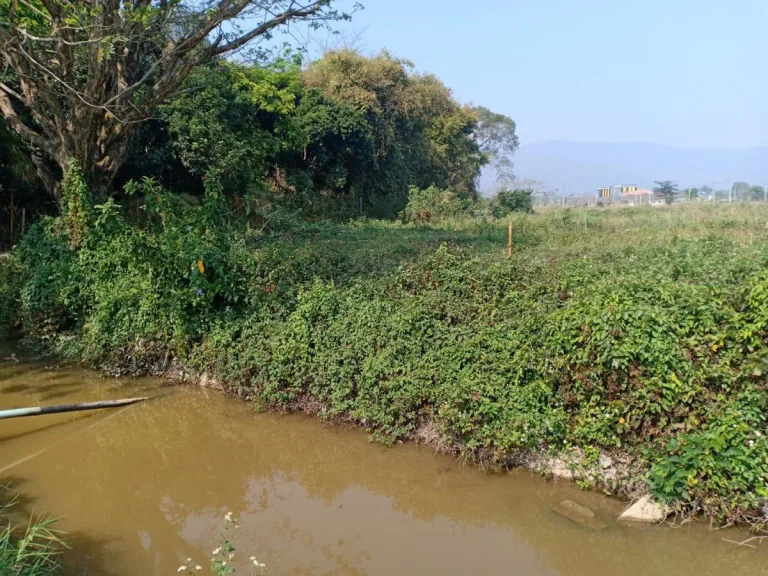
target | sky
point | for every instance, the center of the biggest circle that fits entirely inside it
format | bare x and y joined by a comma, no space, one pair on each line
688,73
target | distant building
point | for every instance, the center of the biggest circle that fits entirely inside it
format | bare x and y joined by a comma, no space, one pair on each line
637,196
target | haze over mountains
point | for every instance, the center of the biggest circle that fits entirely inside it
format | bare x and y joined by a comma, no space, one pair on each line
582,166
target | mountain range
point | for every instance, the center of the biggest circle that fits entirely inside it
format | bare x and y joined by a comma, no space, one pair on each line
581,167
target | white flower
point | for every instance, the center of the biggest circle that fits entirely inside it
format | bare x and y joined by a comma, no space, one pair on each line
228,517
252,558
216,551
231,556
181,569
224,563
751,442
198,567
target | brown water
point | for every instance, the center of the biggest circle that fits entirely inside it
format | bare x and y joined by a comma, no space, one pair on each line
143,488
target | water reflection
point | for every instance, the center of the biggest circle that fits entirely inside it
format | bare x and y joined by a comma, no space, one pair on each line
143,489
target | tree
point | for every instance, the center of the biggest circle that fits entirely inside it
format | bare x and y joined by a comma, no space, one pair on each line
496,137
392,128
85,74
667,190
691,194
231,121
757,193
741,190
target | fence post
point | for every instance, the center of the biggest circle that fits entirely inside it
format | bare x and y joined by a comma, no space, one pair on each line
10,238
509,244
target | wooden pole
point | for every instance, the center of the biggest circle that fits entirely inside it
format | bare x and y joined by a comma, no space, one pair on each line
40,410
10,243
509,244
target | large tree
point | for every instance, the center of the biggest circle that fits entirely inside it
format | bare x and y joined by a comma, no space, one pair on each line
406,128
666,190
496,136
78,76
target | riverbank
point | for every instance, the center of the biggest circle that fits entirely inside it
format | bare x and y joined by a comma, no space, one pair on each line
152,484
635,334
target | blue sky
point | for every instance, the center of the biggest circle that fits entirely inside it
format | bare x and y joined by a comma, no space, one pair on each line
689,73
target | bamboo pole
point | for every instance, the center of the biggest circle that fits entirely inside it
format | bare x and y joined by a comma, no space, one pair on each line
40,410
509,244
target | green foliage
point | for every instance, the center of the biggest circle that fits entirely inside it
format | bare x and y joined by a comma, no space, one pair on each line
231,121
28,551
415,133
666,190
434,204
645,330
346,137
496,136
692,194
507,201
11,282
75,204
723,466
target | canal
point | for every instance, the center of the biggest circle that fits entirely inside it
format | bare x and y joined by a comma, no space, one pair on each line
139,490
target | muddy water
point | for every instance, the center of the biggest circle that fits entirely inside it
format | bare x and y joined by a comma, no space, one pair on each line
143,488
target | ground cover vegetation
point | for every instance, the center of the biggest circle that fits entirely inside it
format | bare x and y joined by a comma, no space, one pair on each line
641,330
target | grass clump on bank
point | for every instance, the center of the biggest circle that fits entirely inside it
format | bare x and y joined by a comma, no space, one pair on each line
639,330
30,550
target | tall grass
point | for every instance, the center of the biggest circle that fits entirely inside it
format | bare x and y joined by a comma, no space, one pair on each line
28,550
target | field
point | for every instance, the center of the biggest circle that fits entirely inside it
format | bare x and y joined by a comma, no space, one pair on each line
639,333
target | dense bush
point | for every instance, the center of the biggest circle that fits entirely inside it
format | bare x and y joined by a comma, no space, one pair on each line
434,203
508,201
589,337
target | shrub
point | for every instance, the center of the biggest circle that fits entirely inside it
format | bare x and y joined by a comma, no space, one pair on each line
507,201
11,282
722,467
434,204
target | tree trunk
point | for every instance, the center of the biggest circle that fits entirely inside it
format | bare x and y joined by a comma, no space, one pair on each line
99,158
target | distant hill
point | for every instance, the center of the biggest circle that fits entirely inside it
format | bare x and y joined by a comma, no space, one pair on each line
582,166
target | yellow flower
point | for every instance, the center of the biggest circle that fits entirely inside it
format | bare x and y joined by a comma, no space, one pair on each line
621,420
200,266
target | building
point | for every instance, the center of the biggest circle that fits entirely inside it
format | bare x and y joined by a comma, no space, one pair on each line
637,196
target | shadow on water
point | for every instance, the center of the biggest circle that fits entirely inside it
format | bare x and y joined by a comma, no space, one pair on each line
85,555
17,504
75,418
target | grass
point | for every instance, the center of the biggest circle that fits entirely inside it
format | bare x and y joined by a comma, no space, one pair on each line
30,550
